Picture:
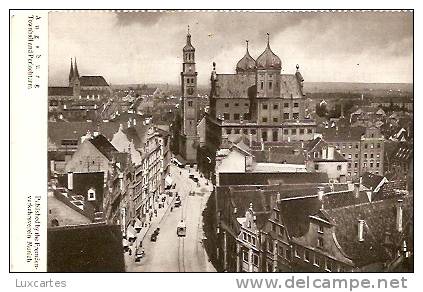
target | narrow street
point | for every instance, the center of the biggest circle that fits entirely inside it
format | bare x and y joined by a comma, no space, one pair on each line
171,253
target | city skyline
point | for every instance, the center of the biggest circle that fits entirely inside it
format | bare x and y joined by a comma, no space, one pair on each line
146,47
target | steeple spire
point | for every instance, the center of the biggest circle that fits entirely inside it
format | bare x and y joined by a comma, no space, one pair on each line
268,39
76,70
71,71
247,45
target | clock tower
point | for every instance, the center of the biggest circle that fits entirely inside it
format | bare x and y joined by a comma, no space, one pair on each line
189,103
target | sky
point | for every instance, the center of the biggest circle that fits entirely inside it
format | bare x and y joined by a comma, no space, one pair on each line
146,47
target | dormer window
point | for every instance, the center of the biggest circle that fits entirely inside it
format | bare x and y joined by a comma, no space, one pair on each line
91,194
320,229
249,224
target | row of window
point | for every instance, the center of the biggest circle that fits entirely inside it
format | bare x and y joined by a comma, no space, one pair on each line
320,261
265,106
249,238
246,259
301,131
357,145
371,164
190,80
365,155
286,116
236,104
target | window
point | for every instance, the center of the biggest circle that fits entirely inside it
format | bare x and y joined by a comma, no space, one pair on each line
264,119
236,117
349,156
245,256
274,227
255,260
253,131
371,164
261,85
295,116
270,85
328,265
190,103
297,255
264,106
356,146
269,246
286,116
320,242
275,106
275,135
356,155
316,261
309,131
237,131
245,131
188,80
285,131
378,155
320,229
293,131
253,240
249,236
364,164
365,155
228,131
287,254
226,116
245,116
316,167
349,164
226,104
365,146
246,104
236,104
244,236
275,120
264,136
371,155
91,194
372,146
349,146
377,164
295,104
378,145
307,255
301,131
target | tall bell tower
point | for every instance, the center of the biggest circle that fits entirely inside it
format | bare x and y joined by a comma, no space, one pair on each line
189,104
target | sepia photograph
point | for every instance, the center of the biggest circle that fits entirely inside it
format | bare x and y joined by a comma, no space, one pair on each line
230,141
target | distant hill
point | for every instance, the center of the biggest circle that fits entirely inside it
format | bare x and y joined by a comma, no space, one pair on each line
327,87
309,87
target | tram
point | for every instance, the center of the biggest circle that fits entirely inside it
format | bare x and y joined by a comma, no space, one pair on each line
181,229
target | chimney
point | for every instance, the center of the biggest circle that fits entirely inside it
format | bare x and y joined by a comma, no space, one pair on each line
96,133
235,210
262,144
121,182
70,180
134,122
356,190
331,152
360,230
320,193
399,215
251,140
278,197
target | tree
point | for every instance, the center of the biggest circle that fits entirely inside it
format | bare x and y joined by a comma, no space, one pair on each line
321,110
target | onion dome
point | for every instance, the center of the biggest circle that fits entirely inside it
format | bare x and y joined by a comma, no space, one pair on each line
246,64
268,59
188,47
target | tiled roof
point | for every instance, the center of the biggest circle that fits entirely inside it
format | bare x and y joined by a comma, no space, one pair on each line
370,180
279,155
342,134
379,217
403,152
60,91
234,85
104,146
290,86
264,178
85,248
93,81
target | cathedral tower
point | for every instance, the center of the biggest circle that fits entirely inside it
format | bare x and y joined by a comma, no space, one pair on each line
189,104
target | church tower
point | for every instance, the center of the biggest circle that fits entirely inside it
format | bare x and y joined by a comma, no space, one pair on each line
189,104
74,79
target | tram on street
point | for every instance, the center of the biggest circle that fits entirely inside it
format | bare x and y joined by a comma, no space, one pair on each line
181,229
